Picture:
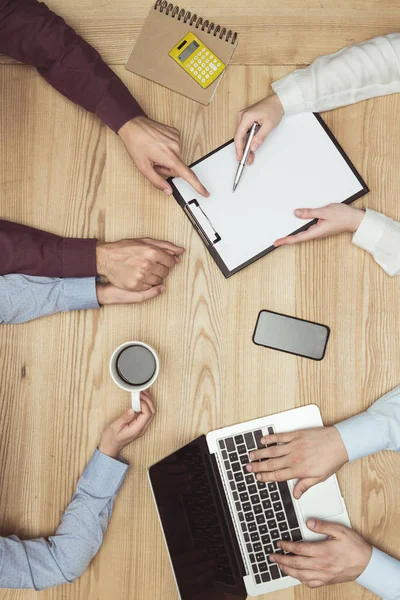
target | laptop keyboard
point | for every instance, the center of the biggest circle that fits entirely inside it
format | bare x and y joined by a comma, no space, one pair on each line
265,510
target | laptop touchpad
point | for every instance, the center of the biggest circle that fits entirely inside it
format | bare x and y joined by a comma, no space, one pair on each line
321,501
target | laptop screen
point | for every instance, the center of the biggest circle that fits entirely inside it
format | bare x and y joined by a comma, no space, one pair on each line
196,529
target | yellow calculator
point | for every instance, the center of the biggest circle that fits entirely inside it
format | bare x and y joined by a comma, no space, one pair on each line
197,60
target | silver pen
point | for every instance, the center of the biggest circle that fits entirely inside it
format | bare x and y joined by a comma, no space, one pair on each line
245,156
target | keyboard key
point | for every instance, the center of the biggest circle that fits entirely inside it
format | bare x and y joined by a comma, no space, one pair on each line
249,479
288,504
235,467
275,534
249,440
244,497
266,504
283,526
241,516
277,549
274,572
260,519
264,494
240,486
238,506
246,537
265,539
252,489
258,435
272,486
258,579
277,506
272,524
235,496
249,517
230,477
233,457
296,535
244,527
244,459
269,549
263,567
257,509
238,477
260,556
245,471
274,496
265,577
280,516
233,486
230,445
254,537
252,558
269,514
252,526
261,485
257,547
263,529
242,449
286,536
249,548
239,439
224,454
255,568
255,499
221,444
227,465
246,506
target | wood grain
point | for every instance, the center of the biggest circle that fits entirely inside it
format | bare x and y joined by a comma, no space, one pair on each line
62,170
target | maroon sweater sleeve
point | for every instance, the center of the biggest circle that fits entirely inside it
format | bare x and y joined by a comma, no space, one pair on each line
35,252
31,33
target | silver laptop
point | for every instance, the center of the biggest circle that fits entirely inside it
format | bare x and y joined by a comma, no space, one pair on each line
220,524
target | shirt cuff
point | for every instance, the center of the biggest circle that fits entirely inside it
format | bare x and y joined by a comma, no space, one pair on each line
118,106
290,94
382,575
78,257
361,436
104,474
80,293
370,231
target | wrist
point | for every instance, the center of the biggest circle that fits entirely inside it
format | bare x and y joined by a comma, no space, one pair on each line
340,448
277,104
357,217
126,130
101,258
109,450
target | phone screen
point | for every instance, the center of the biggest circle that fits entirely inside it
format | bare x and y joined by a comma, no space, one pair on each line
288,334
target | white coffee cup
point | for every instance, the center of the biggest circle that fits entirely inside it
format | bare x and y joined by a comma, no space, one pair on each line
133,389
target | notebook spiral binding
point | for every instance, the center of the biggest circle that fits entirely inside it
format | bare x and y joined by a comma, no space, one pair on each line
195,21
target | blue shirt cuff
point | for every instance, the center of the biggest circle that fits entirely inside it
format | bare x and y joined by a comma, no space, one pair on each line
104,474
382,576
80,293
361,436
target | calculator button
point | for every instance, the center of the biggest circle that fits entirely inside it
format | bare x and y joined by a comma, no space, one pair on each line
203,80
191,68
207,53
203,49
211,56
195,72
203,65
198,76
215,60
188,66
207,68
219,64
207,76
214,68
203,72
191,62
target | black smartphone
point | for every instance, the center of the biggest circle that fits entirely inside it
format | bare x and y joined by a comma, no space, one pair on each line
290,334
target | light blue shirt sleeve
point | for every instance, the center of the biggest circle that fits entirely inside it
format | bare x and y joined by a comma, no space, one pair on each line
64,556
378,428
24,297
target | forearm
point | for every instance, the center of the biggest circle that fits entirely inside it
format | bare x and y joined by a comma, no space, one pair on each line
31,33
380,236
382,576
24,298
62,558
34,252
353,74
378,428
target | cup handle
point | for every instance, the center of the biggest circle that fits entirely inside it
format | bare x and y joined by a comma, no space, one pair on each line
135,401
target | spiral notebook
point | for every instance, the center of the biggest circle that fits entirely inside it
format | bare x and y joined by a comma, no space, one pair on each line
165,25
300,165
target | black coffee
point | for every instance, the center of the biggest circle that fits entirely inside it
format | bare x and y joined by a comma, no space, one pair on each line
136,365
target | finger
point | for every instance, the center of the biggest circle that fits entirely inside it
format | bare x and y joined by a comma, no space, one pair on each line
152,279
303,576
273,452
164,171
310,213
153,292
279,475
269,466
127,417
146,397
161,256
300,548
240,138
145,415
278,438
303,485
251,158
326,528
261,134
295,562
160,270
167,246
156,180
189,176
312,233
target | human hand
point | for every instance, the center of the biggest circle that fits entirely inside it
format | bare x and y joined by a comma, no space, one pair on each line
128,427
332,220
108,294
155,149
309,455
344,556
267,113
136,265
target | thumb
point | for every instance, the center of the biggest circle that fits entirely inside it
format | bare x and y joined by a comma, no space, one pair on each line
260,136
325,527
309,213
153,292
125,418
302,486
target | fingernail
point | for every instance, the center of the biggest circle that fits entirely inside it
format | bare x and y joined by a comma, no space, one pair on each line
255,147
298,212
251,456
163,288
131,411
311,523
263,440
272,559
167,192
279,545
249,467
258,477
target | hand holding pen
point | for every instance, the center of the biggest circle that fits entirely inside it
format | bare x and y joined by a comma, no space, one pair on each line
243,160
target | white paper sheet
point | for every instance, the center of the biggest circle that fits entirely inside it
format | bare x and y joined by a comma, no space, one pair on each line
298,166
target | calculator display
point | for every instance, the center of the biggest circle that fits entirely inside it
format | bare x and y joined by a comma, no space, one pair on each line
189,50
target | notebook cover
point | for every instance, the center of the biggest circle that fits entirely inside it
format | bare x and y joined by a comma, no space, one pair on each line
149,57
211,249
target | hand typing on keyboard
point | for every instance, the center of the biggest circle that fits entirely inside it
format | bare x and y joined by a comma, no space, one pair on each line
309,455
344,556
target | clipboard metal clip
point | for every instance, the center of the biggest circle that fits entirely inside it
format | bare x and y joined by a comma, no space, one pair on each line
206,231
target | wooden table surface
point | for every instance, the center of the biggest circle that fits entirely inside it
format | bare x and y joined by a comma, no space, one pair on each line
61,169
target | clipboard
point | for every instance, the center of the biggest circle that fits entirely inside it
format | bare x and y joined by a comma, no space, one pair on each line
300,165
